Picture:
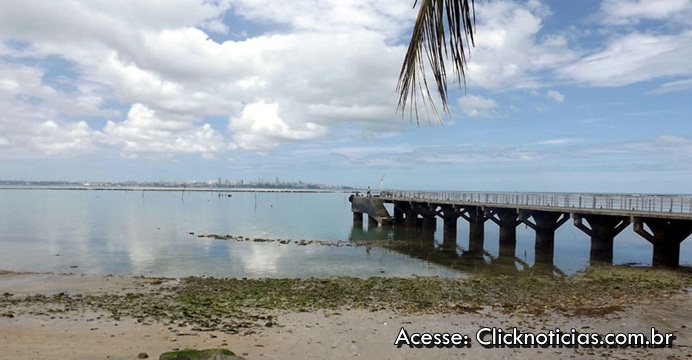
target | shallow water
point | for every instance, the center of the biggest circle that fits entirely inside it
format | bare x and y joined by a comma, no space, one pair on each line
148,233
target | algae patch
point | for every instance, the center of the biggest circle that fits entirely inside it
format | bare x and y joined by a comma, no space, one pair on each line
238,305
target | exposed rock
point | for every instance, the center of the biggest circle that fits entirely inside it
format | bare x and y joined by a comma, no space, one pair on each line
143,355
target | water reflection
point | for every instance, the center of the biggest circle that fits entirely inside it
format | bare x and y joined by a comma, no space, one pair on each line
421,244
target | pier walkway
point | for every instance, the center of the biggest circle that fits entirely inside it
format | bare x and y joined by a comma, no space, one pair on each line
663,220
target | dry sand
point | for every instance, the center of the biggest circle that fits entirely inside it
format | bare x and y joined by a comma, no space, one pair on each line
347,334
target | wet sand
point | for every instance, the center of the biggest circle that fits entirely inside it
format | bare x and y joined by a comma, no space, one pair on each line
340,334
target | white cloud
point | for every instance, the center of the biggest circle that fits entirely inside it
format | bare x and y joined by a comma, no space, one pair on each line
477,106
144,132
634,58
29,120
673,86
509,53
674,144
52,139
260,127
624,12
636,52
555,95
560,141
309,68
389,17
405,155
327,71
670,147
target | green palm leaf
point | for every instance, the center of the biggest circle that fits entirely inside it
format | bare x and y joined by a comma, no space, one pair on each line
443,30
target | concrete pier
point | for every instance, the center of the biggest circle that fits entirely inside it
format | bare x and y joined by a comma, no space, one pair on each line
358,219
405,214
449,214
476,218
428,215
544,223
666,237
507,220
373,207
602,231
664,221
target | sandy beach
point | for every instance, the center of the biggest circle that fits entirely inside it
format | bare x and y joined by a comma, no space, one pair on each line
327,333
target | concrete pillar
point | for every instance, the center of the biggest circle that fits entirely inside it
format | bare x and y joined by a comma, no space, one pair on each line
428,221
398,215
449,234
405,214
449,215
603,230
507,220
666,238
372,222
476,218
544,223
428,215
411,216
358,219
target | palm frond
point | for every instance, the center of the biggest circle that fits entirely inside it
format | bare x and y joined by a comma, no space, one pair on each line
443,30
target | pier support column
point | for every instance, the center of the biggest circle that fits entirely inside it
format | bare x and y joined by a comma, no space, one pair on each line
411,217
449,215
476,218
545,223
372,222
405,214
398,215
357,219
429,217
430,223
666,238
507,220
602,232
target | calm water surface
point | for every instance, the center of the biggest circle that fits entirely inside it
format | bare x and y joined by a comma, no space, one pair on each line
148,233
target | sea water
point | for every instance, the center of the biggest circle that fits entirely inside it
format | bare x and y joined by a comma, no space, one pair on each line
156,233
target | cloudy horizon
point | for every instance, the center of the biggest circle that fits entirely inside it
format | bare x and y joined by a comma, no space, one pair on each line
559,96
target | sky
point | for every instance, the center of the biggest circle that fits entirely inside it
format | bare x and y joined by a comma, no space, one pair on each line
563,96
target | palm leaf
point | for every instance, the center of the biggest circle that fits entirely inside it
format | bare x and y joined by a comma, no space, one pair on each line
443,30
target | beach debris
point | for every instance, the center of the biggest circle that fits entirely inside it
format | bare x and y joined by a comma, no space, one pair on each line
142,355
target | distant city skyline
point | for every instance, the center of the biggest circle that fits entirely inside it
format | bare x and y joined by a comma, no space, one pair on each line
560,96
212,183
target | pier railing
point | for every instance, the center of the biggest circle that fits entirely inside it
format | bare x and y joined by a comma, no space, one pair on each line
671,204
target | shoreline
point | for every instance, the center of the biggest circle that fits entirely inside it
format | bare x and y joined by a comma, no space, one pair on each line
47,315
